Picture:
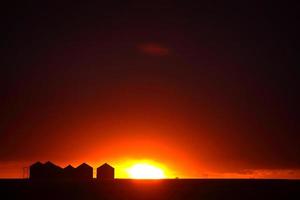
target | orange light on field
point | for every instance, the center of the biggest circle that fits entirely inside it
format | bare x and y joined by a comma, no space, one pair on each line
145,171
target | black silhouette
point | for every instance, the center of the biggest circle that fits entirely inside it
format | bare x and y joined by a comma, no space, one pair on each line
69,172
171,189
84,172
105,172
36,170
45,171
50,171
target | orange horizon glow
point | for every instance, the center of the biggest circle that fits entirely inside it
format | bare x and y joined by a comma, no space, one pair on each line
175,158
142,169
123,166
145,171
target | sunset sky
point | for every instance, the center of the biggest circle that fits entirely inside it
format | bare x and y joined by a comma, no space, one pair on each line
201,90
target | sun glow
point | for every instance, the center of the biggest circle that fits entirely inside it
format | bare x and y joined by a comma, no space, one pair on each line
145,171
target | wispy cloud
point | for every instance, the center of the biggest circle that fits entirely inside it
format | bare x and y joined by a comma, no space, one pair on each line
154,49
257,173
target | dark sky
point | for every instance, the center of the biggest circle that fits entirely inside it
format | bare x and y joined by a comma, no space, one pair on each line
217,81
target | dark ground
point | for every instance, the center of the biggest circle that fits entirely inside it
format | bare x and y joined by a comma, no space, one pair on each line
152,189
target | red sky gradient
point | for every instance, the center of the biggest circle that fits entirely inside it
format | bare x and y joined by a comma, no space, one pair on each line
198,88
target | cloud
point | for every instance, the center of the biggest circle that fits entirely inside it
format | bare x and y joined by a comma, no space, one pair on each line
259,173
154,49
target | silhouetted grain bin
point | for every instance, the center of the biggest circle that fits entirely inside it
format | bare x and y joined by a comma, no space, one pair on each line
69,172
52,171
105,172
45,171
36,171
83,172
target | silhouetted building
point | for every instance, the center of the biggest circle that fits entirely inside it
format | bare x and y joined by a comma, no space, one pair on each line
45,171
105,172
69,172
50,171
83,172
36,171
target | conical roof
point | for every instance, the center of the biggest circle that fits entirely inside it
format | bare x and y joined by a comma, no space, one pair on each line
51,165
37,164
105,165
84,165
69,167
48,163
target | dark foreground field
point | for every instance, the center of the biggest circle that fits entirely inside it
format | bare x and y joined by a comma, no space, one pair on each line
155,189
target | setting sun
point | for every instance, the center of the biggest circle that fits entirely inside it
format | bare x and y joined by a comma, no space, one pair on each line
145,171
